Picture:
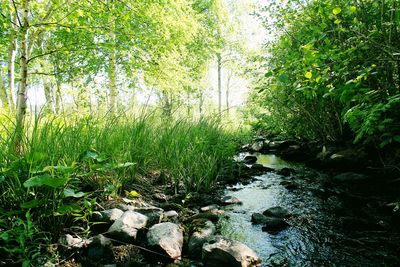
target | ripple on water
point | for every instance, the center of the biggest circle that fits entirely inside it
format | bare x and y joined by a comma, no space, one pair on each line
314,238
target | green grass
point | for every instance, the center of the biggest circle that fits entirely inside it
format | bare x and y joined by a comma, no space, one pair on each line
69,162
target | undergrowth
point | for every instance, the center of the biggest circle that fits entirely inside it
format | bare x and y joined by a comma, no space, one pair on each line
71,162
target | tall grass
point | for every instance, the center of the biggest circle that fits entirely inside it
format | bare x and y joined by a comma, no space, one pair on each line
105,154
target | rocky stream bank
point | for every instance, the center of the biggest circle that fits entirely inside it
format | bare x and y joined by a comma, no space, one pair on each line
264,212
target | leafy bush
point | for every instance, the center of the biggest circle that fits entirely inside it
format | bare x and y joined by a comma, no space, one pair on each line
333,71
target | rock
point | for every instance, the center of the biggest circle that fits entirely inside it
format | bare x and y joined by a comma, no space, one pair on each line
258,218
108,216
250,159
201,235
257,146
229,200
209,208
348,156
296,152
100,248
207,216
289,185
213,209
259,138
71,242
245,148
282,144
127,226
260,168
286,172
274,225
277,212
222,252
170,216
350,177
153,214
167,238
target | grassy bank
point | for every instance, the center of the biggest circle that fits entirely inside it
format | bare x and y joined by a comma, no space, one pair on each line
70,163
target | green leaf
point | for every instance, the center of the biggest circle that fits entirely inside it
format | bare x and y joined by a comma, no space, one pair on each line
5,236
47,180
31,204
283,78
338,21
89,155
68,209
308,75
269,74
353,9
336,11
2,179
396,138
69,192
124,165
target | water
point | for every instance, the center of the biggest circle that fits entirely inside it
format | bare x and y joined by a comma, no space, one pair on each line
316,236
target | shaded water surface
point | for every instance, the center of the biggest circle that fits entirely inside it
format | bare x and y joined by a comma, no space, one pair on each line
316,236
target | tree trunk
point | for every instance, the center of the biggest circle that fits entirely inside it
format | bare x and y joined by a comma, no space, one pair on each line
3,93
11,71
219,85
228,84
201,102
58,103
48,94
23,84
112,76
188,104
112,68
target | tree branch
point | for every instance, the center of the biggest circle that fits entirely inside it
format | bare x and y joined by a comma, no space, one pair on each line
16,12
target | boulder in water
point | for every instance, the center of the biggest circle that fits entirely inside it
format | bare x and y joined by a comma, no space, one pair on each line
258,218
223,252
274,225
250,159
277,212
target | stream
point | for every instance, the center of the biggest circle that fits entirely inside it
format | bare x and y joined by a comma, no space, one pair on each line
325,226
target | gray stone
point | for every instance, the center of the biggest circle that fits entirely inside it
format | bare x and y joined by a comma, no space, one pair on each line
223,252
71,242
170,216
274,225
257,146
108,216
209,208
100,248
166,237
250,159
258,218
228,200
277,212
127,226
201,235
154,214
